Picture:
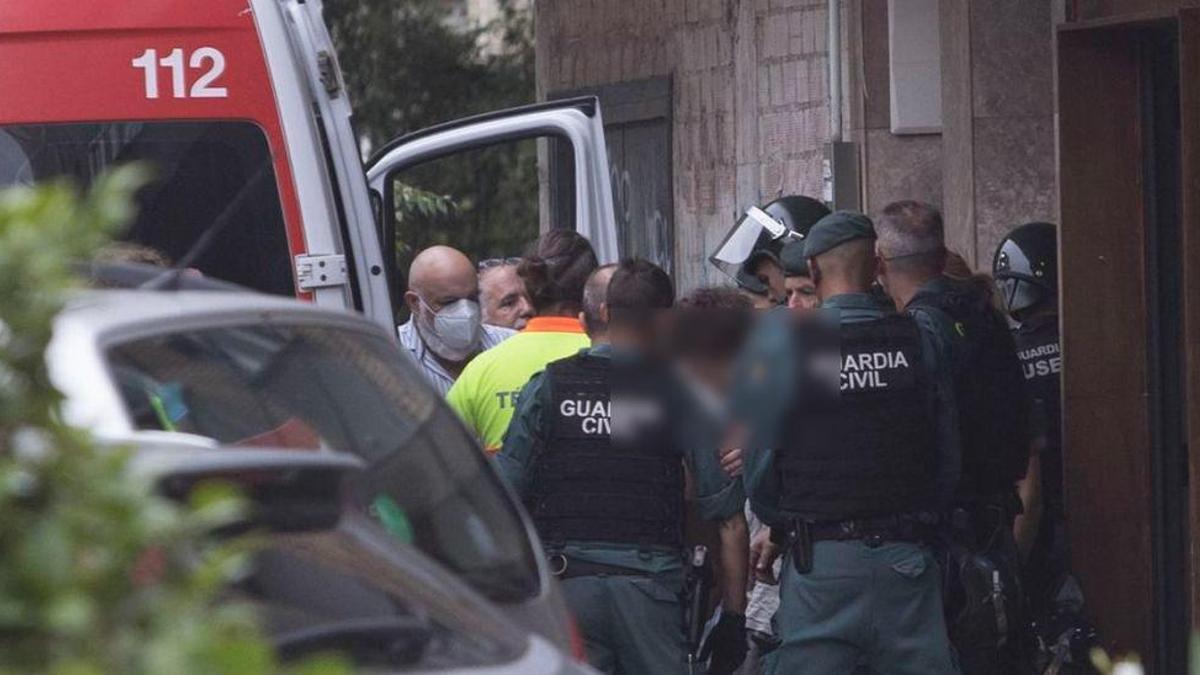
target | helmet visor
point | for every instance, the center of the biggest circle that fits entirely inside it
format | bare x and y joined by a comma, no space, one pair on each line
1018,294
754,233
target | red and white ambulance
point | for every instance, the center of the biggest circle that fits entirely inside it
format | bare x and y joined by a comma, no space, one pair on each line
241,108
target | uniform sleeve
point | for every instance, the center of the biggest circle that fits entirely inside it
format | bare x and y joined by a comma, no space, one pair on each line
525,437
763,388
718,497
937,342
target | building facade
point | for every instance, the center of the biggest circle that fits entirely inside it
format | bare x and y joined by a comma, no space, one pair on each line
745,85
1081,112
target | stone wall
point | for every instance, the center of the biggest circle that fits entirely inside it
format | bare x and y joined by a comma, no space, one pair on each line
894,167
999,125
750,119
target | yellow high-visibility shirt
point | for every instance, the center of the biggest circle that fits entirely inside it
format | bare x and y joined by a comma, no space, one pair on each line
485,394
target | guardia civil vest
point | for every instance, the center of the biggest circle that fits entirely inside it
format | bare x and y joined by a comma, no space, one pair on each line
1041,360
609,471
867,446
993,408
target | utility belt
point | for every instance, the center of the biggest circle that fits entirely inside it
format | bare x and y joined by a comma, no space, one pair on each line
800,535
564,567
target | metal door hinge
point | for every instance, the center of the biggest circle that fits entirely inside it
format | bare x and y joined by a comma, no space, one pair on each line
319,271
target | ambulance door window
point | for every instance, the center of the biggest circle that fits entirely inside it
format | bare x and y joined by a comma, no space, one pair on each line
484,201
210,175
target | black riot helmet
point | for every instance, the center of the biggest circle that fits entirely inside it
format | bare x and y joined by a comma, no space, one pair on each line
797,212
762,233
1026,268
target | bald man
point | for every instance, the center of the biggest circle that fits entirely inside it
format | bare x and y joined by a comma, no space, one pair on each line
445,331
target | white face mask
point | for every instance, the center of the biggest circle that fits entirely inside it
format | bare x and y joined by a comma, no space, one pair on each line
452,332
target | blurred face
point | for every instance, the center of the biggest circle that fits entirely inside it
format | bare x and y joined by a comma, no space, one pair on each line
771,275
760,301
801,294
502,295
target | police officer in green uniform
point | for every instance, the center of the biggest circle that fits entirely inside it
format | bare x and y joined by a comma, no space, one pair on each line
982,592
597,451
853,452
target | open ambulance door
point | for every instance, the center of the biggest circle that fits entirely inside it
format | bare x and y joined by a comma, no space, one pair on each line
571,188
359,257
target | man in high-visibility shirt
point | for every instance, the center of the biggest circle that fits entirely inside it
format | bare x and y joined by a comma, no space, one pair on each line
555,273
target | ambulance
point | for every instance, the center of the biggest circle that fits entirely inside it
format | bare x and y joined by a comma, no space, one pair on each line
240,107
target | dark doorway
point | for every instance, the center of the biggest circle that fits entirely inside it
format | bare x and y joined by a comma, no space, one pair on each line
1123,268
1159,55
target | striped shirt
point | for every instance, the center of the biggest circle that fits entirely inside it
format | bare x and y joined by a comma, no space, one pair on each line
433,370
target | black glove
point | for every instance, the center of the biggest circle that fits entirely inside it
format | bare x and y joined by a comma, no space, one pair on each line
726,644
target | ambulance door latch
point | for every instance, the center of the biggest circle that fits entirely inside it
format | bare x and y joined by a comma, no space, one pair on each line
328,72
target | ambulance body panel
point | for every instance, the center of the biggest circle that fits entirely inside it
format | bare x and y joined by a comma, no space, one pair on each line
122,72
241,108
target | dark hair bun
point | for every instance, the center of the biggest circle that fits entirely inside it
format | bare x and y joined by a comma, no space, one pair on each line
555,270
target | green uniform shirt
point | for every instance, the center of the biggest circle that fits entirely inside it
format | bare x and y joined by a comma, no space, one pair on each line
766,388
718,497
486,392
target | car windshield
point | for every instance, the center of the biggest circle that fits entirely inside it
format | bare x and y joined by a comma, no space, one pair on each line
201,170
337,590
307,387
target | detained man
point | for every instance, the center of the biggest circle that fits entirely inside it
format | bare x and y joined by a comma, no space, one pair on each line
502,294
445,330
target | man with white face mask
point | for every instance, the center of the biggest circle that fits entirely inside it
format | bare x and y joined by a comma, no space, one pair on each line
445,330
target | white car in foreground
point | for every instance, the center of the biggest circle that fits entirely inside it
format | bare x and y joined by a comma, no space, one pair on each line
223,374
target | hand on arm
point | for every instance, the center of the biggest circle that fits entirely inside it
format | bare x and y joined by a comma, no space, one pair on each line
523,439
763,554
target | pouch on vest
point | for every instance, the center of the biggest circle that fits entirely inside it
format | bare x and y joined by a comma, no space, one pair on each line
865,447
598,480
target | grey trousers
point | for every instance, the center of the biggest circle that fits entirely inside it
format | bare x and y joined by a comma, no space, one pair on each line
878,608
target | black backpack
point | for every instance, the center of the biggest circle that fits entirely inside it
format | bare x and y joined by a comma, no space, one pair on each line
993,406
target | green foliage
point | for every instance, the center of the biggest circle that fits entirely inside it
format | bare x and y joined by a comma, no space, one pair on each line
98,574
406,68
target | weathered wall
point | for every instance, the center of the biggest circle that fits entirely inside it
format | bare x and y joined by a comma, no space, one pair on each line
894,167
750,119
998,115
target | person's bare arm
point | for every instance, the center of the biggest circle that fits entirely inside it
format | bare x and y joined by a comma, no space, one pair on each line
735,548
1027,524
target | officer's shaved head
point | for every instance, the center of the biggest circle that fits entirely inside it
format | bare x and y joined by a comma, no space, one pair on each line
595,294
440,275
846,268
637,295
912,235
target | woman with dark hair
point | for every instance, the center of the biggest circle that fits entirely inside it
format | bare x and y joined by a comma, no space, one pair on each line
555,270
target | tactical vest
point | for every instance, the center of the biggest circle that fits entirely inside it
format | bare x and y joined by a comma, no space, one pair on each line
990,392
863,446
1041,359
592,485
